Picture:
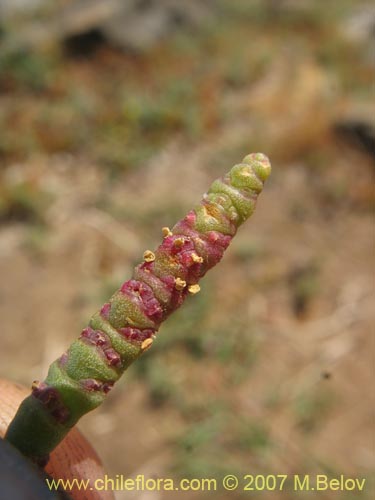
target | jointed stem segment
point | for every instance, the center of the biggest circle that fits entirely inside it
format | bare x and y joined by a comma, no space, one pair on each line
125,326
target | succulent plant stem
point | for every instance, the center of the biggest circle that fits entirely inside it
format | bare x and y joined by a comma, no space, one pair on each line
126,326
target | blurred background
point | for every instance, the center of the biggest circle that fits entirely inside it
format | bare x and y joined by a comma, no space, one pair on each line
115,117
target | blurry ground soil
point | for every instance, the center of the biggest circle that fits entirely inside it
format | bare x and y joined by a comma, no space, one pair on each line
269,370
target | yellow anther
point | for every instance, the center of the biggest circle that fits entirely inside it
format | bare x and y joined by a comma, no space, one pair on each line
35,385
146,344
196,258
166,231
179,284
148,256
193,289
178,242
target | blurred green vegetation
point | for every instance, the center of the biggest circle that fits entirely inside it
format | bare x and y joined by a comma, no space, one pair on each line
312,407
23,201
119,109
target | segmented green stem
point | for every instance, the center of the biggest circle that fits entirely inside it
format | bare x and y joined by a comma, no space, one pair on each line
126,326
